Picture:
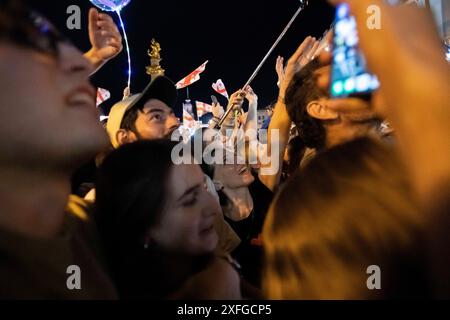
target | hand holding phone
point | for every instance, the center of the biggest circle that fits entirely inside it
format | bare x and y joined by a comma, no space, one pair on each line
349,76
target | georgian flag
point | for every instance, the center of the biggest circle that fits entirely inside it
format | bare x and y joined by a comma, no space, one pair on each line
191,78
102,96
219,87
202,108
188,120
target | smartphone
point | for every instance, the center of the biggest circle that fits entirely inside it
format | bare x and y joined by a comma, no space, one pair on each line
349,75
214,100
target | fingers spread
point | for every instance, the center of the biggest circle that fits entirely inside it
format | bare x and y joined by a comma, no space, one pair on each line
305,44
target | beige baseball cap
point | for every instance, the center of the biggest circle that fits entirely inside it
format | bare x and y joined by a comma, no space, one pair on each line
161,88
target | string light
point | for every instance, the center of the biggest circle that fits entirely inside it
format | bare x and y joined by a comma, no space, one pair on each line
127,47
117,6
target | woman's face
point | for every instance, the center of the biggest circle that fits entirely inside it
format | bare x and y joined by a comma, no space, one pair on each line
233,176
187,220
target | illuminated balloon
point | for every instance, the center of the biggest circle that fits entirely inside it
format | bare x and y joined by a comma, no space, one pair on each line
110,5
117,6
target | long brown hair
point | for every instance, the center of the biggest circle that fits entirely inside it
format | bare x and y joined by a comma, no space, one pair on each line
349,209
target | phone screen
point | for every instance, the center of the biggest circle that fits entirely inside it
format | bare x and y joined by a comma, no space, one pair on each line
349,69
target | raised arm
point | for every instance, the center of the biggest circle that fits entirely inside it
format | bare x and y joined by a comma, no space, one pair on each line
415,91
105,39
281,121
251,122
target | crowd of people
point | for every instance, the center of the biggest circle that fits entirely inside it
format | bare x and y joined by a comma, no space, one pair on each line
353,183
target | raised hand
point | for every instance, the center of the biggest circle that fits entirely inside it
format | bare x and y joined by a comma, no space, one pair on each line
280,69
250,95
395,56
105,38
236,99
408,57
305,53
217,111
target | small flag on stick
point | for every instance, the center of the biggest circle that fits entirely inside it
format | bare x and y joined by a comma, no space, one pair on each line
102,96
219,87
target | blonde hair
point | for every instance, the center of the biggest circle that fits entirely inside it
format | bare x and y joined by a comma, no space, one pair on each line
350,208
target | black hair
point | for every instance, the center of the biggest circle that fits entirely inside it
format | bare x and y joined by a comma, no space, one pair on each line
296,151
22,25
123,179
302,90
13,24
206,118
129,120
208,169
131,192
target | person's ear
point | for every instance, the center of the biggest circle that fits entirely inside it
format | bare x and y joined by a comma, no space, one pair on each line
318,110
124,137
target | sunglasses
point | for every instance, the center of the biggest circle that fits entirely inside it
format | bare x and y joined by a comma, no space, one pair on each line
26,27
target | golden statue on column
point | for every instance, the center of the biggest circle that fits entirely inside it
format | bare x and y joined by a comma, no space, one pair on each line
155,69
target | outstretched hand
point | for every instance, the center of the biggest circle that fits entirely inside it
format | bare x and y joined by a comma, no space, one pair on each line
250,95
236,99
217,111
280,69
397,42
414,87
105,38
305,53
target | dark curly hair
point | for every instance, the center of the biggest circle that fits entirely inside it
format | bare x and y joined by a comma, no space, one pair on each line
302,90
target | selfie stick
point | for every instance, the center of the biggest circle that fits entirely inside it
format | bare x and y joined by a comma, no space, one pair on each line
303,4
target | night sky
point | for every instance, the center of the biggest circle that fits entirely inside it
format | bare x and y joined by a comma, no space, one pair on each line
233,35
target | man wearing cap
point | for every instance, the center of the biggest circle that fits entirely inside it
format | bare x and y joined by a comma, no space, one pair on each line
145,116
148,116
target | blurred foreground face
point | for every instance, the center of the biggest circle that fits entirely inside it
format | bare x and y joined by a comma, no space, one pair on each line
47,107
355,210
187,220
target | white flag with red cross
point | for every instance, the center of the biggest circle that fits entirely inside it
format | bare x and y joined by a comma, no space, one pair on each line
102,96
219,87
202,108
188,120
191,78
